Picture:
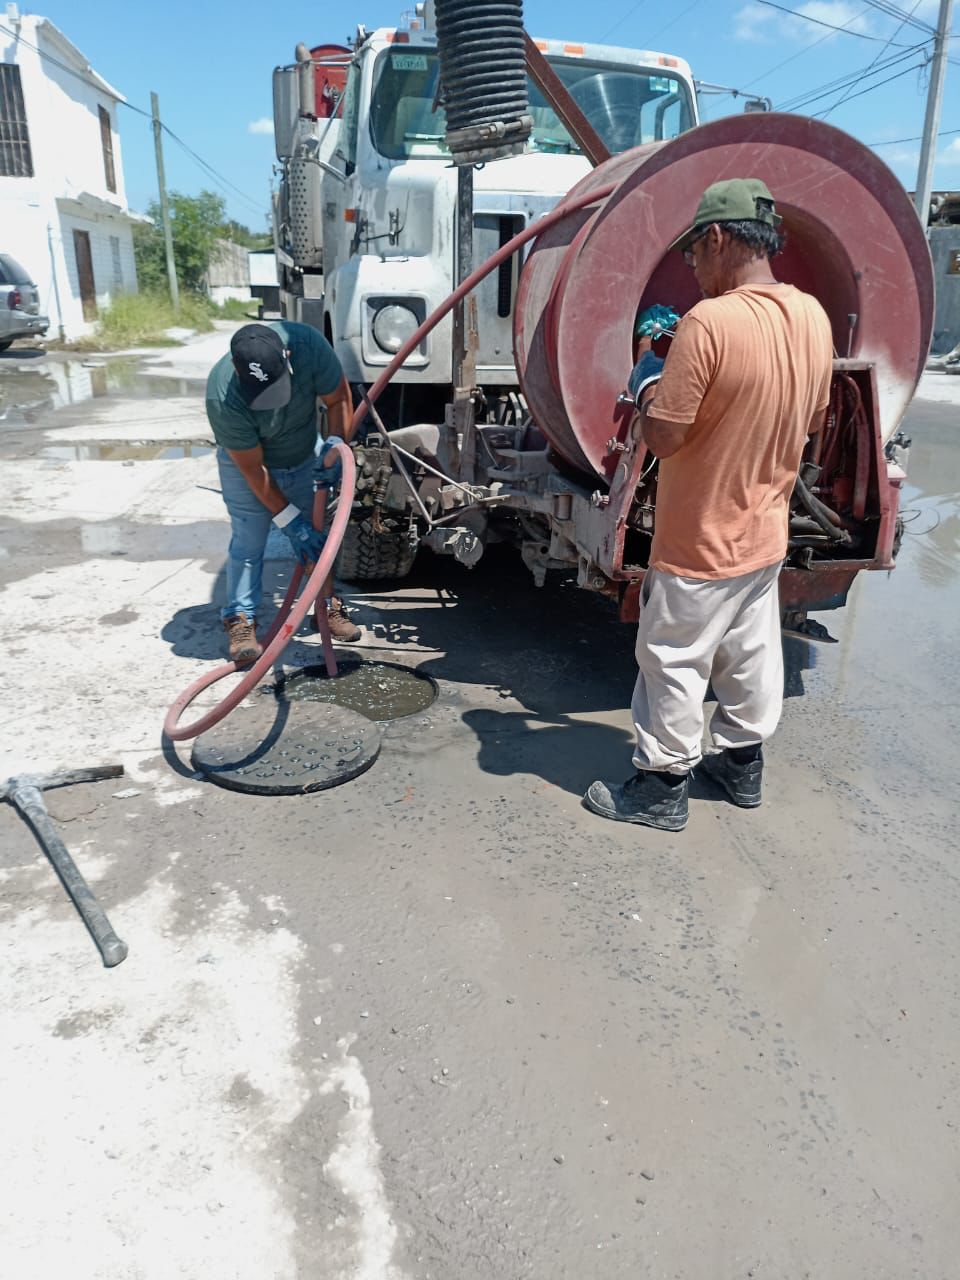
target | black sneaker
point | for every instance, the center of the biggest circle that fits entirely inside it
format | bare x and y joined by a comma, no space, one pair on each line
646,799
740,779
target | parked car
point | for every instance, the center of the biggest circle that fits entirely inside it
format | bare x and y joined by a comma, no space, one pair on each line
19,304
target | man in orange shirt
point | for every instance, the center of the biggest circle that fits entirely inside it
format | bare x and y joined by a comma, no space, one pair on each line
746,380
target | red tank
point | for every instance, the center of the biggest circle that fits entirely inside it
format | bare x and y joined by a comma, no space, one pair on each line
853,240
331,78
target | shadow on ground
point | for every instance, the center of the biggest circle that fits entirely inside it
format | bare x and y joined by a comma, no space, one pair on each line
558,652
15,353
557,658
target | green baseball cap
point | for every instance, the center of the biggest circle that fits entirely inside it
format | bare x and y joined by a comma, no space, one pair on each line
735,200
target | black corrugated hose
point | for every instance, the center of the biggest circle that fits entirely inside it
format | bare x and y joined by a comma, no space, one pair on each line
484,77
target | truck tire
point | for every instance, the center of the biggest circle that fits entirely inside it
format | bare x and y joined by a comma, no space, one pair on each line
366,555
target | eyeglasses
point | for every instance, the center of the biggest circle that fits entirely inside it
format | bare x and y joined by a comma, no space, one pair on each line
687,253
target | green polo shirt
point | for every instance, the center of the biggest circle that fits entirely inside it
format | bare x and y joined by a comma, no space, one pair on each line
288,435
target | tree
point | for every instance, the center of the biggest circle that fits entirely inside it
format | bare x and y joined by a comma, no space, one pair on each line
240,234
197,223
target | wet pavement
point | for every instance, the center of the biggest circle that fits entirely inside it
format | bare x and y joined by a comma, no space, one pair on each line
441,1022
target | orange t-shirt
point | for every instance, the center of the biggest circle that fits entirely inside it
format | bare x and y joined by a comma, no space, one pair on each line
749,370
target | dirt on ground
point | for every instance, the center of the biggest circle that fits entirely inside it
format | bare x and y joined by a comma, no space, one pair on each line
441,1023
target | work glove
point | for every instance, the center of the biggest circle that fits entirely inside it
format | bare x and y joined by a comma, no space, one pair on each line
327,477
646,372
307,542
656,320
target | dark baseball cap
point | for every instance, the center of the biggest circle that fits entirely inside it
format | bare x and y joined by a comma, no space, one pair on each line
262,365
735,200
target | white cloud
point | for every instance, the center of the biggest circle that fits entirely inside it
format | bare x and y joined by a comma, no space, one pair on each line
838,13
900,157
951,154
754,24
759,24
263,125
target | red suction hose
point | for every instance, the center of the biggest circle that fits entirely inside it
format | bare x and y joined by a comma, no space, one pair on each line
284,625
292,614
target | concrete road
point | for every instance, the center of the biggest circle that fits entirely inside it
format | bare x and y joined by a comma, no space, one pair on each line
442,1022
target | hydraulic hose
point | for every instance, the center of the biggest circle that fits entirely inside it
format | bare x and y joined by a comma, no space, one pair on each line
291,614
506,251
285,624
820,513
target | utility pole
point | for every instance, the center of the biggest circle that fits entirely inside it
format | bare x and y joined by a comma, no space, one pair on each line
931,124
164,206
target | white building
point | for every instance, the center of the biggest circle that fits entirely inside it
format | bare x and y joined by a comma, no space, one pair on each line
63,209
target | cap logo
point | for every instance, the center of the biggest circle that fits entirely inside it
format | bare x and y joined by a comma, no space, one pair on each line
257,372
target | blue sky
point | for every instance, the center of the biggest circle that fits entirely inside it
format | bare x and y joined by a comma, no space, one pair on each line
211,64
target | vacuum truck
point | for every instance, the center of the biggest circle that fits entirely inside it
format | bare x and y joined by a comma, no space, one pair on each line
507,421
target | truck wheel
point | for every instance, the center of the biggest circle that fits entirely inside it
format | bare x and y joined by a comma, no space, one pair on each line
366,555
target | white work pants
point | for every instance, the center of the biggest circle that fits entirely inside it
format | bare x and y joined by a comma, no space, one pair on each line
693,631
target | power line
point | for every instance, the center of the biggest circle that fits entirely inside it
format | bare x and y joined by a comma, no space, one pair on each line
673,21
840,101
800,52
794,13
620,21
843,82
894,11
210,171
892,142
87,76
917,66
90,76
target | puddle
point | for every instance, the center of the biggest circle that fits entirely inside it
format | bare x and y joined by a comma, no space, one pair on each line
28,392
125,451
377,690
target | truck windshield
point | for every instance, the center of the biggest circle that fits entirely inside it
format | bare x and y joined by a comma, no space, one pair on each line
626,105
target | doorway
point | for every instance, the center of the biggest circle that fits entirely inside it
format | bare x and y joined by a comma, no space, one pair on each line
88,290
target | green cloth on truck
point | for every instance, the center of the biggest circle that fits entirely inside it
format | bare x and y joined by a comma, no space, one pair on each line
288,435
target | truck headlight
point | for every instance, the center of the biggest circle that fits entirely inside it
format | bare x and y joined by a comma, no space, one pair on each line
392,326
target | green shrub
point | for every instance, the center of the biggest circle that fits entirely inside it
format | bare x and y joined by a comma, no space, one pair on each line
237,309
139,319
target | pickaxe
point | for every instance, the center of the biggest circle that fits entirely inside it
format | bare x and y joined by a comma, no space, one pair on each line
25,792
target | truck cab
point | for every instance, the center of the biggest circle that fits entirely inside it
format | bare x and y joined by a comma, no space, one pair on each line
366,217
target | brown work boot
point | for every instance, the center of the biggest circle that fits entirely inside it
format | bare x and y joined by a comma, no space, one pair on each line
244,646
341,628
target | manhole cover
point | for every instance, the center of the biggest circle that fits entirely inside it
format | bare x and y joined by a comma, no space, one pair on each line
377,690
278,747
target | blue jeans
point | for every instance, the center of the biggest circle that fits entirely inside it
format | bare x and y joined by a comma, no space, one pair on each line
250,524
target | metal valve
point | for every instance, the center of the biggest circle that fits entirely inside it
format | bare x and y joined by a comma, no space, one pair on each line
598,499
614,446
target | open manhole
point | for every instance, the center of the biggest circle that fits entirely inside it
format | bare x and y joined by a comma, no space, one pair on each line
310,731
272,747
378,690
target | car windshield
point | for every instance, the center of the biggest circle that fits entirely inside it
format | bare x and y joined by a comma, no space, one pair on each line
11,271
626,105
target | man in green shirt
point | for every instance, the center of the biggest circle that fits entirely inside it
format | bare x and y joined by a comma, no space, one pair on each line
263,400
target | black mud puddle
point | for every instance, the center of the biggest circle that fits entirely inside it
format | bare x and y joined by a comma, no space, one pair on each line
377,690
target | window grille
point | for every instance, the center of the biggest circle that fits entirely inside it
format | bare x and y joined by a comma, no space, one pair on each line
16,160
106,141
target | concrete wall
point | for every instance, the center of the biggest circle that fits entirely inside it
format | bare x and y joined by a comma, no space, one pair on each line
945,251
228,266
69,187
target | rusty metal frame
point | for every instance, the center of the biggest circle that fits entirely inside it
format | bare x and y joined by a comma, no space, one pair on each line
825,584
559,97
